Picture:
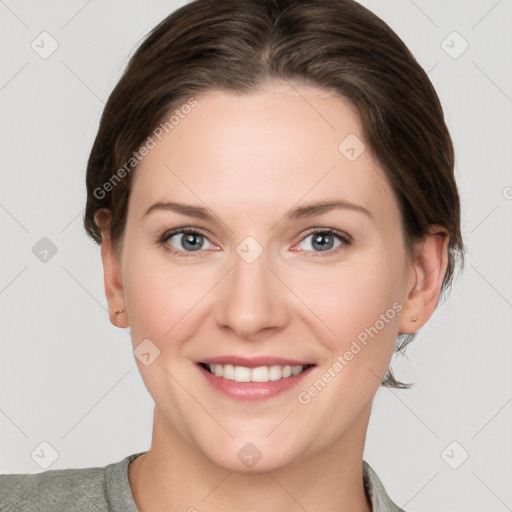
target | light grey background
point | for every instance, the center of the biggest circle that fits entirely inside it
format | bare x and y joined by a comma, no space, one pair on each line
68,377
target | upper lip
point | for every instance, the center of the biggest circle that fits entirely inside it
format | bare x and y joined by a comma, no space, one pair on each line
253,362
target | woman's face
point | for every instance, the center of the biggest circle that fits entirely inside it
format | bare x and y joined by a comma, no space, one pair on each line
256,287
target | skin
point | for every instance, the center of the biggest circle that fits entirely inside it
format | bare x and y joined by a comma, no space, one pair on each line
250,159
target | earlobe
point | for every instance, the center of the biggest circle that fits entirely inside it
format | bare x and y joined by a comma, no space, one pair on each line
111,272
117,318
428,269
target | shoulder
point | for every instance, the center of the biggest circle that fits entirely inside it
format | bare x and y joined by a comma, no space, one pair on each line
374,488
65,489
95,489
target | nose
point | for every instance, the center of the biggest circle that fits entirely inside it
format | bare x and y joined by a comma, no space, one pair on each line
252,301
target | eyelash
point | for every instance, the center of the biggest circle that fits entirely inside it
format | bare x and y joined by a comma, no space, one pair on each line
343,237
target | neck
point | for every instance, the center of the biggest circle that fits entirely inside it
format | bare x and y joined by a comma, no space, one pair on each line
173,475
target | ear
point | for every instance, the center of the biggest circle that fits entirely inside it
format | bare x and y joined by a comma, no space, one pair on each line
426,277
111,271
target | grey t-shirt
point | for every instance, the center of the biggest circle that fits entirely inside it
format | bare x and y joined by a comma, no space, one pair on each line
107,489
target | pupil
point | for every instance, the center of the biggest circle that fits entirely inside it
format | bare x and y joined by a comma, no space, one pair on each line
318,239
189,239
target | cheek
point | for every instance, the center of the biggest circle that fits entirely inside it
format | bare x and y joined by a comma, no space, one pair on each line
151,295
354,296
163,297
148,305
361,305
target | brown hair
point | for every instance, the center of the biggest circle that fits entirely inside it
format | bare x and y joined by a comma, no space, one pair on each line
237,45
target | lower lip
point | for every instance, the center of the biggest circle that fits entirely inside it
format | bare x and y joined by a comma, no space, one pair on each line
251,391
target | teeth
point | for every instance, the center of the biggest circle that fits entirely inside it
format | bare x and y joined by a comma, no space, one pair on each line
296,370
275,373
259,374
228,371
242,374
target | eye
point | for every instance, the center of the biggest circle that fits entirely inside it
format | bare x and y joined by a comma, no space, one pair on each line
185,240
323,240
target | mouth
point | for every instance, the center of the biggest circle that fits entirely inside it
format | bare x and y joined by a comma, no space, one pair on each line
256,374
252,379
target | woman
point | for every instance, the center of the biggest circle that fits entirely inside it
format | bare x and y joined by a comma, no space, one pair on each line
272,187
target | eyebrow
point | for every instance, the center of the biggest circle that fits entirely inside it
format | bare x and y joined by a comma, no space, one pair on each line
300,212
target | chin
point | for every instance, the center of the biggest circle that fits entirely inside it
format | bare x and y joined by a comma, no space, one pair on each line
252,457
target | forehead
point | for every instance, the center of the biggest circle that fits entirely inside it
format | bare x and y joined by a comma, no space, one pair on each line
284,142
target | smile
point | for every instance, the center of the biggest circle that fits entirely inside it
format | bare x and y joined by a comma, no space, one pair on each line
257,378
258,374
